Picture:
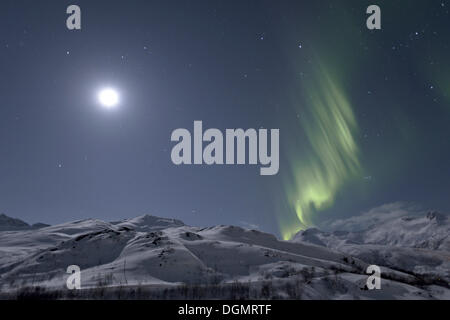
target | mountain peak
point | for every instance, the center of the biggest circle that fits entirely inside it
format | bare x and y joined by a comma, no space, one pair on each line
435,215
148,222
8,222
13,224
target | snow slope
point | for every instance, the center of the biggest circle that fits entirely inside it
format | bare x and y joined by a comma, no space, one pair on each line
159,253
413,243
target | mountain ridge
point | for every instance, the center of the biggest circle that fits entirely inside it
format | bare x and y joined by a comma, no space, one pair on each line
8,223
165,254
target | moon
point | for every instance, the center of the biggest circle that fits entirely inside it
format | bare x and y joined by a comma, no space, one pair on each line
108,98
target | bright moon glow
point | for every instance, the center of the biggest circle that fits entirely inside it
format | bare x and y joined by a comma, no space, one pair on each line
109,98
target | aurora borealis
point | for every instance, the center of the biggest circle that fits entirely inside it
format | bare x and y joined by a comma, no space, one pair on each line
366,108
332,151
362,114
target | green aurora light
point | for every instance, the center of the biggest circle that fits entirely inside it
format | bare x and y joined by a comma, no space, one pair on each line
330,127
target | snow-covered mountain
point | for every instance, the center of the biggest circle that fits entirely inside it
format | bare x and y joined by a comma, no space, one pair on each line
147,223
413,243
10,224
160,258
430,231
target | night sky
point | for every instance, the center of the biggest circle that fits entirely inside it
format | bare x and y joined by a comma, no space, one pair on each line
363,114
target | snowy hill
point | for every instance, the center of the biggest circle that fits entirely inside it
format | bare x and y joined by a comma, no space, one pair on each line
11,224
428,232
413,243
147,223
8,223
151,257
